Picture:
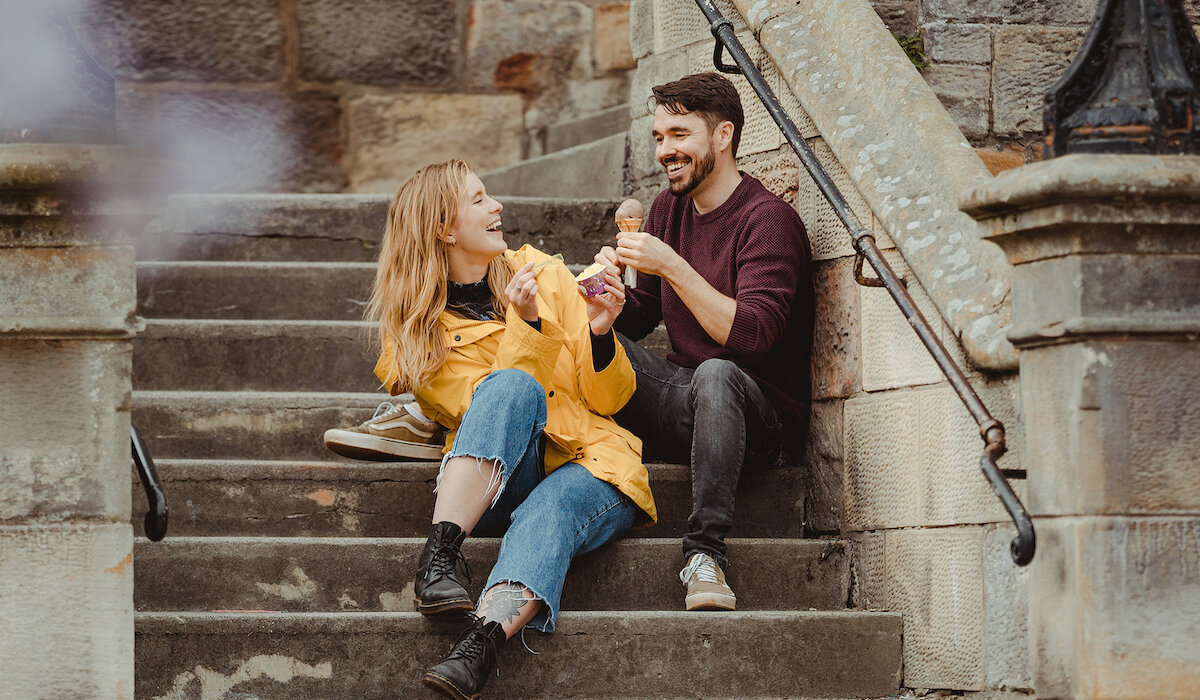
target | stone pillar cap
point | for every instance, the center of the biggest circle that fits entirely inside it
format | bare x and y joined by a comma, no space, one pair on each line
40,167
1086,177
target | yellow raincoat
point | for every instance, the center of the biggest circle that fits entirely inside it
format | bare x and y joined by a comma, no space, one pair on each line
578,399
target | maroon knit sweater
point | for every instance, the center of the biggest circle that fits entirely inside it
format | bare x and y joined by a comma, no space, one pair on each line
752,248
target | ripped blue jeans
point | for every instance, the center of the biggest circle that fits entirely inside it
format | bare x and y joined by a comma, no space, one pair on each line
546,520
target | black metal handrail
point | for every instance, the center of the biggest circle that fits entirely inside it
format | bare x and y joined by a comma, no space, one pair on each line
990,429
156,515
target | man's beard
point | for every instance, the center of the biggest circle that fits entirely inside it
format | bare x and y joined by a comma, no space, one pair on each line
700,169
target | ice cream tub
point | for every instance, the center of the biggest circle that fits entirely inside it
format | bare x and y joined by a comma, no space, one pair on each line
592,280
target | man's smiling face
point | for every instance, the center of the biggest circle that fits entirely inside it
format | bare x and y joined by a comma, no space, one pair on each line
685,149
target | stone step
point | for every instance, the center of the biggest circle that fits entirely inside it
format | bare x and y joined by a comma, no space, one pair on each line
260,355
373,499
593,170
242,355
254,290
585,129
348,227
300,574
246,424
607,654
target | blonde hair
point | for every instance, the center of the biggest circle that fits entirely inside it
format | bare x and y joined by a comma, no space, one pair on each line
409,294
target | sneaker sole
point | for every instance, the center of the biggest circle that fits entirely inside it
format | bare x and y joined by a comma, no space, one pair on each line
446,687
445,606
710,601
375,448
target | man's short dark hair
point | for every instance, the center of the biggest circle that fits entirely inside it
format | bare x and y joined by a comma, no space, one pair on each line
710,95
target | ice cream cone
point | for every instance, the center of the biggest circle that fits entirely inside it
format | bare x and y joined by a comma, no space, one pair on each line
629,224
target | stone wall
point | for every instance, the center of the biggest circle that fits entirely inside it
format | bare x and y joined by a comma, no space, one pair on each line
893,455
335,95
990,61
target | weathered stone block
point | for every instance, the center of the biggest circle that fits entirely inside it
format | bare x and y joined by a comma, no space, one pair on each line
652,71
883,461
576,99
935,578
1069,290
837,349
1028,61
958,43
778,172
823,489
892,354
953,489
868,572
612,49
641,28
66,598
51,291
829,236
965,91
1012,11
900,16
642,163
393,135
208,40
1108,436
1006,602
379,42
1115,604
759,131
679,23
65,457
999,161
249,141
527,45
137,117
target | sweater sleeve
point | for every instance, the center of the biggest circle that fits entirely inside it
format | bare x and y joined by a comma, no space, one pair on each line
772,257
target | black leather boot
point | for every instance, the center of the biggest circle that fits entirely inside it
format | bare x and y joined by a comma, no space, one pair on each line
463,672
437,588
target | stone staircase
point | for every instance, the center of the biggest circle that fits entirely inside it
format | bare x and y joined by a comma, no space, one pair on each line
288,573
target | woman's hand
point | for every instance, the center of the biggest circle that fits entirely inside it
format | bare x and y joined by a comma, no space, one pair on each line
522,292
608,258
604,308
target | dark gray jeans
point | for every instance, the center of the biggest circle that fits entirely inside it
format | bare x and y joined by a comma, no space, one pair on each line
714,417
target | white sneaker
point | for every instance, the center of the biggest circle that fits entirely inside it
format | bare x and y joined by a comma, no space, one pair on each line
706,587
392,434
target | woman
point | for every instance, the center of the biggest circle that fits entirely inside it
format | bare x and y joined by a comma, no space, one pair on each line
501,348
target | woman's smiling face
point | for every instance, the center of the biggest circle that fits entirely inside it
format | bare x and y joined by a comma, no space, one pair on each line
476,234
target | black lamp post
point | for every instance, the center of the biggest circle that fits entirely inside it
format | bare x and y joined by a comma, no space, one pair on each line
51,90
1133,86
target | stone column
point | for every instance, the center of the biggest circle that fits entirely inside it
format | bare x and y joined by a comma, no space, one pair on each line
1106,314
67,303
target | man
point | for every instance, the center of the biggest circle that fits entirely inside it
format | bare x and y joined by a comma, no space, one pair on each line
725,265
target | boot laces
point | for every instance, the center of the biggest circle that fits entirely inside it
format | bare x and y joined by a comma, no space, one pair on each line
474,644
448,559
703,566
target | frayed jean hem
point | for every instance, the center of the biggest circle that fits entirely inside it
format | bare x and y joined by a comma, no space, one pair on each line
499,474
543,621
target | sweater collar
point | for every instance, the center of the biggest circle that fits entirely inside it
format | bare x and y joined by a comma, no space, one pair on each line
731,203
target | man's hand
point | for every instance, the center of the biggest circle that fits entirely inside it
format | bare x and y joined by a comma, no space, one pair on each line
604,308
522,292
647,253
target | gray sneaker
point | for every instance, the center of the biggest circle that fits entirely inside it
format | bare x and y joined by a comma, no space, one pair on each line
393,434
706,587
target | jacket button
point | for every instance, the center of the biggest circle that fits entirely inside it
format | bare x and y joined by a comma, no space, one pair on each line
458,337
552,393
